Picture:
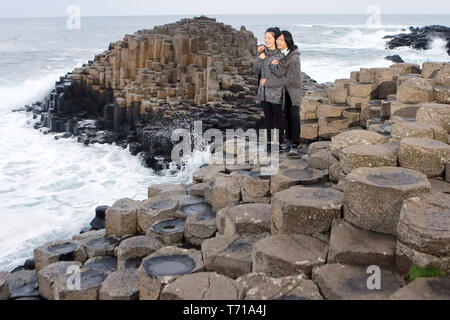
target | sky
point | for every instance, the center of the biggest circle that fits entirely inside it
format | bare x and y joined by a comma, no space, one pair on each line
58,8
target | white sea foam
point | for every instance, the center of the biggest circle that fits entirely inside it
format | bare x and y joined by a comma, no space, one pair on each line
49,188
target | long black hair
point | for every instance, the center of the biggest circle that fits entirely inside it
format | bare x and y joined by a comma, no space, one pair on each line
289,40
275,31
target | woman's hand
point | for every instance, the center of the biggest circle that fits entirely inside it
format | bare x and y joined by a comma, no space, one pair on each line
261,49
262,56
275,62
263,82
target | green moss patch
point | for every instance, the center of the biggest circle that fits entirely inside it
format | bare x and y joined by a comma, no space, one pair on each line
418,272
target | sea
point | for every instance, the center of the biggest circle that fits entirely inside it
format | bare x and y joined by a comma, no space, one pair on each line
49,188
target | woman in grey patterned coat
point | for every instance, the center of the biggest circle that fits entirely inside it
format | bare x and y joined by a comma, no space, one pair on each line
270,98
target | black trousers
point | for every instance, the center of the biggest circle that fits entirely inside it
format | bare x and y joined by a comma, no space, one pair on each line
293,120
275,118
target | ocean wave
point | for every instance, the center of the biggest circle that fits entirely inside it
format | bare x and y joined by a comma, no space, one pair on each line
354,26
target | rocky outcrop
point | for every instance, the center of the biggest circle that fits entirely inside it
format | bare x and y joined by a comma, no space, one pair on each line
419,38
152,82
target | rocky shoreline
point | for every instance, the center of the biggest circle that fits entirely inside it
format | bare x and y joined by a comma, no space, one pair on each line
144,87
372,199
419,38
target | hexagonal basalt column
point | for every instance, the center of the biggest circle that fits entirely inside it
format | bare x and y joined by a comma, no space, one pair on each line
131,251
283,255
165,266
121,218
424,232
230,255
169,231
374,196
424,155
58,251
344,282
248,219
301,210
150,213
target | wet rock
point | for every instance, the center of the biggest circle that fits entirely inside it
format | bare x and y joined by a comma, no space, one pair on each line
424,289
23,284
424,155
202,286
355,137
49,276
354,246
371,156
394,58
287,288
121,218
58,251
151,212
90,284
248,219
418,38
120,285
345,282
100,247
131,251
366,186
165,266
196,209
230,255
283,255
105,264
424,231
4,289
170,231
99,221
302,210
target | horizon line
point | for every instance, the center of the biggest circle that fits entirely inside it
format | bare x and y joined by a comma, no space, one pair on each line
227,14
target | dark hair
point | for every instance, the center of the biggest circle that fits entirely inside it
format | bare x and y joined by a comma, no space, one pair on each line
275,31
289,40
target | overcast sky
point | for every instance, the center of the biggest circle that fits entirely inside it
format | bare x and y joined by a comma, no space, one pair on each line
57,8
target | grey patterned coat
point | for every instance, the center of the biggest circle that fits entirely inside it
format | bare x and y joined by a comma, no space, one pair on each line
262,67
290,68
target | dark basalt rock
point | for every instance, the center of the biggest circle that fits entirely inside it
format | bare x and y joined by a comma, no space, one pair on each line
106,264
203,210
169,226
169,265
23,284
419,38
393,179
99,221
395,58
65,251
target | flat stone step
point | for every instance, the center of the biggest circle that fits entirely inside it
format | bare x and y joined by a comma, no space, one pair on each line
355,246
424,231
366,186
346,282
230,255
424,155
306,210
424,289
360,156
283,255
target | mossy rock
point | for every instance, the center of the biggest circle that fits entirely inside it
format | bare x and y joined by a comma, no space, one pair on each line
429,272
